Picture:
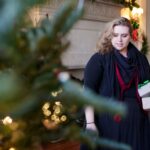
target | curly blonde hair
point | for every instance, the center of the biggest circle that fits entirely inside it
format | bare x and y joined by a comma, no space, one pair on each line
104,44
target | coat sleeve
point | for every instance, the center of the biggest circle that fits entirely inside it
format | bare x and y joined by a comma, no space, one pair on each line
93,73
144,68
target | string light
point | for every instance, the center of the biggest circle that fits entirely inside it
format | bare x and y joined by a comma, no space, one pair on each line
58,103
7,120
63,118
125,12
56,93
47,112
46,106
53,112
57,110
135,17
136,12
12,148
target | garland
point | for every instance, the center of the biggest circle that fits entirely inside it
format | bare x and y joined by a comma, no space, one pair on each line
126,3
135,26
136,33
145,47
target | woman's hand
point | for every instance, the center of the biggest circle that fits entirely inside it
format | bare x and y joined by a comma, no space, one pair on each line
91,126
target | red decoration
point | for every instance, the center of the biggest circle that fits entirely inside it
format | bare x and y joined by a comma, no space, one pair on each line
135,35
117,118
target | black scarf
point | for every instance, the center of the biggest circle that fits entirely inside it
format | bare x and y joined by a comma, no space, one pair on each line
127,66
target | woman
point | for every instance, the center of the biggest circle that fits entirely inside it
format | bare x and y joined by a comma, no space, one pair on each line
115,71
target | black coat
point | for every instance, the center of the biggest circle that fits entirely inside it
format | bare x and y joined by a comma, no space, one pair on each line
100,76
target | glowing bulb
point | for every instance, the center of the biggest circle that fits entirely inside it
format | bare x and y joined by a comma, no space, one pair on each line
134,11
47,112
57,120
57,110
58,103
137,11
12,148
54,94
53,117
63,118
46,106
7,120
125,12
140,11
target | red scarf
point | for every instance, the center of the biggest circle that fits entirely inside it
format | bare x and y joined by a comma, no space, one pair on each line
125,86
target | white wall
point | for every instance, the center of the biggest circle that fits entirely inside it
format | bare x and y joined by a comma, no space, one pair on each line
85,33
83,38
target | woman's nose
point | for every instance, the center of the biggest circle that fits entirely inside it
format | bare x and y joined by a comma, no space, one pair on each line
119,38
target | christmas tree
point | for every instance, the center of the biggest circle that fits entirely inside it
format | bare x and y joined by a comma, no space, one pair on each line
145,47
35,90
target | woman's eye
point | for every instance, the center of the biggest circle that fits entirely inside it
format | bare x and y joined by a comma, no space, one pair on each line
124,35
115,35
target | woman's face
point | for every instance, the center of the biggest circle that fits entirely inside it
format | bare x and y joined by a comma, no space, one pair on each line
120,38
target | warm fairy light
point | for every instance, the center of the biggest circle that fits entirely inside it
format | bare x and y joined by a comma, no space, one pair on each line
125,12
58,103
53,117
53,112
56,93
57,110
136,12
63,118
46,106
12,148
57,120
47,112
7,120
